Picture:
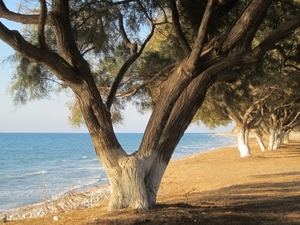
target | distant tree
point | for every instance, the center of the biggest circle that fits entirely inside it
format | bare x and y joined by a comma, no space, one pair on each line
256,100
85,32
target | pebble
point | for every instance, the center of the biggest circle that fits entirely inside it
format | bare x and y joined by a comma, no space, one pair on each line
72,201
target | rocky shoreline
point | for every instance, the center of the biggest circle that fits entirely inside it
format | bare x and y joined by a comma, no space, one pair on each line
73,200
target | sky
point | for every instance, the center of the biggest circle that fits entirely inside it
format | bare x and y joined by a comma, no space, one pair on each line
52,115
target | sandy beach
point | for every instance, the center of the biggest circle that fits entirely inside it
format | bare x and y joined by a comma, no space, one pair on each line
215,187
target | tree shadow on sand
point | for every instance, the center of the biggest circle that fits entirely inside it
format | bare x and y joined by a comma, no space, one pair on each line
265,200
256,203
249,204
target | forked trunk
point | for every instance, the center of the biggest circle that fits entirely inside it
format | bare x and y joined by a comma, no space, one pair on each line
243,145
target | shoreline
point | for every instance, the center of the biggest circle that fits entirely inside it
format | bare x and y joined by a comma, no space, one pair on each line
217,187
84,199
71,201
74,199
87,198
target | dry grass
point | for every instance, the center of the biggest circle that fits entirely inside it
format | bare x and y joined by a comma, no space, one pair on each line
217,187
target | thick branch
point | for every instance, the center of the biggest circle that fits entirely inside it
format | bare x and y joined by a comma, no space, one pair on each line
126,40
255,11
64,35
281,32
249,36
50,60
202,32
177,27
41,27
17,17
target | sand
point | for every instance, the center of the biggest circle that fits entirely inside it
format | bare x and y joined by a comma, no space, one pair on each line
215,187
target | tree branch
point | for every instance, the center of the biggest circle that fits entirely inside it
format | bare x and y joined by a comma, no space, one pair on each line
127,42
254,11
248,39
255,104
202,32
17,17
294,122
178,30
41,26
66,44
157,75
123,70
281,32
50,60
230,110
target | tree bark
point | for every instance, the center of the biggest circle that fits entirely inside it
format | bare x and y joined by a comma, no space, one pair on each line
259,141
136,184
280,139
286,138
243,145
272,138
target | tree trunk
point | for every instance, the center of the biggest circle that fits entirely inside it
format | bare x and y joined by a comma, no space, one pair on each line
260,141
243,145
136,183
272,138
280,139
286,138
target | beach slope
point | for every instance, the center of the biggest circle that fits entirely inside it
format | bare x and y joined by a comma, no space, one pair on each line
216,187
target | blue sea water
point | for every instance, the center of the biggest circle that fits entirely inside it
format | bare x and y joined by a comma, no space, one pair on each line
35,167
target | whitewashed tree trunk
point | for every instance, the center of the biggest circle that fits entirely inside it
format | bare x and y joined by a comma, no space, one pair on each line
136,184
279,140
272,139
260,141
286,138
243,145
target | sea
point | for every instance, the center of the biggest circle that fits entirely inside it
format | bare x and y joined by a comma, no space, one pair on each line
35,167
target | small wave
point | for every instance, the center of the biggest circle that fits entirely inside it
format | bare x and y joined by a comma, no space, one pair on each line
86,184
36,173
90,168
92,160
84,157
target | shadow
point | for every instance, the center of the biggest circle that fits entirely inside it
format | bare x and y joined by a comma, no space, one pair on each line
176,205
294,173
250,204
257,203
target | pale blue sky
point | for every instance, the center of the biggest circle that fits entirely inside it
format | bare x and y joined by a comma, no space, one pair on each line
52,115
